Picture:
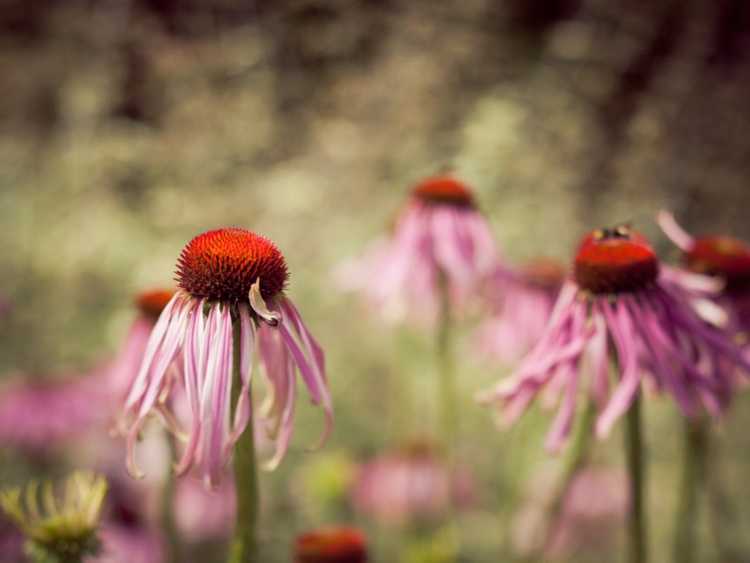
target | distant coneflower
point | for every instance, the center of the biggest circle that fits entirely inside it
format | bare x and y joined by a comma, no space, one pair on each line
331,545
719,256
593,507
125,367
36,415
522,302
440,239
619,311
411,485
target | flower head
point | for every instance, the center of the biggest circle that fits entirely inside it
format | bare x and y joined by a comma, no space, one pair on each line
124,368
522,304
622,309
722,257
592,508
36,415
440,241
58,528
331,545
231,303
410,485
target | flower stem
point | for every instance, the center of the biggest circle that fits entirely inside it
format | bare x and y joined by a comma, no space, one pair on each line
448,395
577,457
693,479
244,546
167,510
634,452
729,537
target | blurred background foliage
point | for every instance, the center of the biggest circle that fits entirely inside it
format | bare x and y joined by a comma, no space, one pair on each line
127,127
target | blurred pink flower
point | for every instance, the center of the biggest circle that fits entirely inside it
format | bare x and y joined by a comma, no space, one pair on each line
125,366
440,237
38,415
523,302
228,278
128,533
620,308
411,484
592,511
720,256
202,514
11,542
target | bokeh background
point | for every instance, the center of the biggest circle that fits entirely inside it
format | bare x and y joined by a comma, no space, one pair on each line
127,127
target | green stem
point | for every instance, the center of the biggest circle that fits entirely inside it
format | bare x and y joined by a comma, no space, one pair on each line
448,394
167,510
244,546
634,452
730,542
693,476
577,457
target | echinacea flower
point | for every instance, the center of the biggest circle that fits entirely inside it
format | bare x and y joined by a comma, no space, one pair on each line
592,510
202,514
522,302
440,240
619,312
128,533
231,290
125,367
331,545
36,415
411,485
719,256
58,527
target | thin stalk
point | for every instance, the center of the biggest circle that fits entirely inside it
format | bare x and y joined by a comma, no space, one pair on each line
693,480
448,397
167,510
244,546
448,394
634,453
730,541
577,457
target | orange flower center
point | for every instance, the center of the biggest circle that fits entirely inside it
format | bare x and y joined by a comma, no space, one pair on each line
331,545
614,261
444,190
223,264
151,303
721,256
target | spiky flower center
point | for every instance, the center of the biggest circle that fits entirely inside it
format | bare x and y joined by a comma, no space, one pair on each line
444,190
222,265
544,273
151,303
617,260
722,256
332,545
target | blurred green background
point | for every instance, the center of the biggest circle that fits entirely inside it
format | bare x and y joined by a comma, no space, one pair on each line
127,127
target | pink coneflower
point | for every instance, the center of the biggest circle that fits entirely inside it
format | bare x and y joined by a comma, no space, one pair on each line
231,301
618,308
331,545
36,415
719,256
411,485
439,238
127,533
523,302
202,514
125,367
592,509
